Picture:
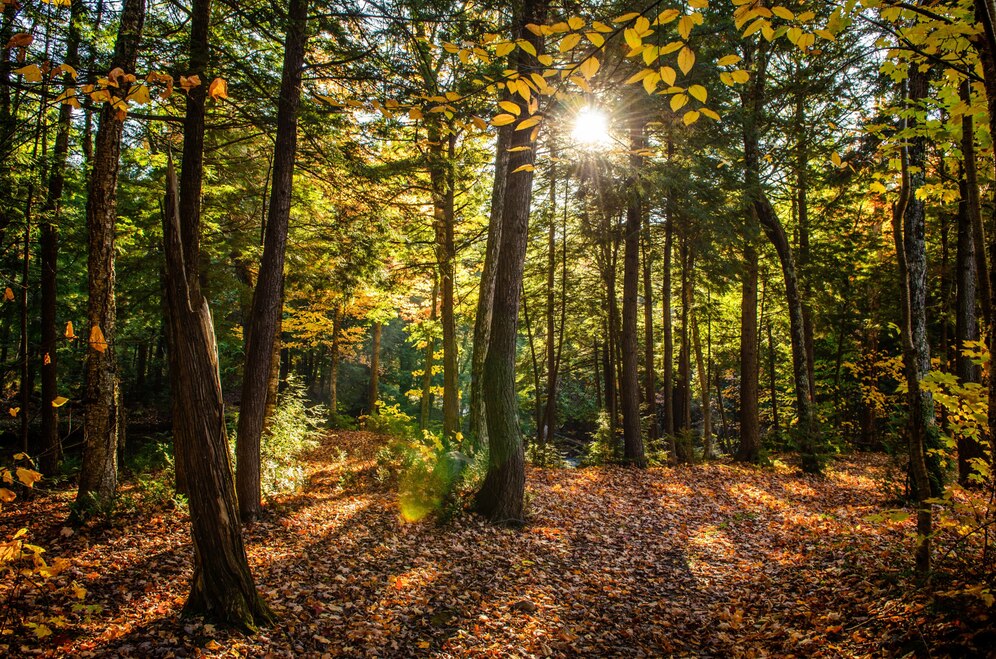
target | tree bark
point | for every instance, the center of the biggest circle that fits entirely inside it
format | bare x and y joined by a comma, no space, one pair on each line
430,353
486,294
98,474
633,451
222,586
649,359
374,393
667,334
917,422
966,325
442,175
749,449
914,237
268,296
501,495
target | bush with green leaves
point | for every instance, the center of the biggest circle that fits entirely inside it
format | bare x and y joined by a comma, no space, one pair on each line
292,431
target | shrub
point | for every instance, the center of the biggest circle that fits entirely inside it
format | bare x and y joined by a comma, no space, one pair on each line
290,433
602,448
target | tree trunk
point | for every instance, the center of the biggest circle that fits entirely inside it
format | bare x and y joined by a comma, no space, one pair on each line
501,494
917,422
914,237
98,474
707,452
374,393
51,455
485,300
985,14
222,586
649,359
633,451
773,229
430,352
749,449
268,296
966,325
667,335
442,176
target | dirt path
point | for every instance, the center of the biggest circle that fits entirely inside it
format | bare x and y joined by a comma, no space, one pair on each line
710,560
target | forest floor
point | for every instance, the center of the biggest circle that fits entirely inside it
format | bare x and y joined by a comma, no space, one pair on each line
711,560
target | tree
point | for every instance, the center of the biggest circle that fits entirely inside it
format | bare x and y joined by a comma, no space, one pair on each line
222,587
501,494
98,474
267,300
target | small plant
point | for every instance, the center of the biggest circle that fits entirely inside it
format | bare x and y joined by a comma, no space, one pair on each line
290,433
390,420
602,448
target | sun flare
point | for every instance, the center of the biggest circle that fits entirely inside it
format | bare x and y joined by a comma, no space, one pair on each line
591,128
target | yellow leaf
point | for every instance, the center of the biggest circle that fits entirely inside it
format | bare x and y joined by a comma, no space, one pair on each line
47,359
783,12
601,27
685,26
97,340
479,123
502,120
529,123
526,46
8,295
523,168
517,149
668,75
667,16
582,83
650,82
632,38
31,73
835,159
729,60
589,67
13,411
6,496
740,76
678,101
212,645
636,77
59,401
535,29
575,22
139,94
625,18
509,106
699,93
503,49
545,60
690,117
595,38
69,330
569,42
415,114
706,112
698,4
28,476
218,88
686,59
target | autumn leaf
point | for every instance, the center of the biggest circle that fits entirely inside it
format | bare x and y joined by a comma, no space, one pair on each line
97,340
218,89
69,331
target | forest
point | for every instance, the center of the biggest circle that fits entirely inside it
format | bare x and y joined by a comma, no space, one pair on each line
464,328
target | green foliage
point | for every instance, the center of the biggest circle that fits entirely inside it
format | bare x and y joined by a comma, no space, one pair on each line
290,433
431,474
603,447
